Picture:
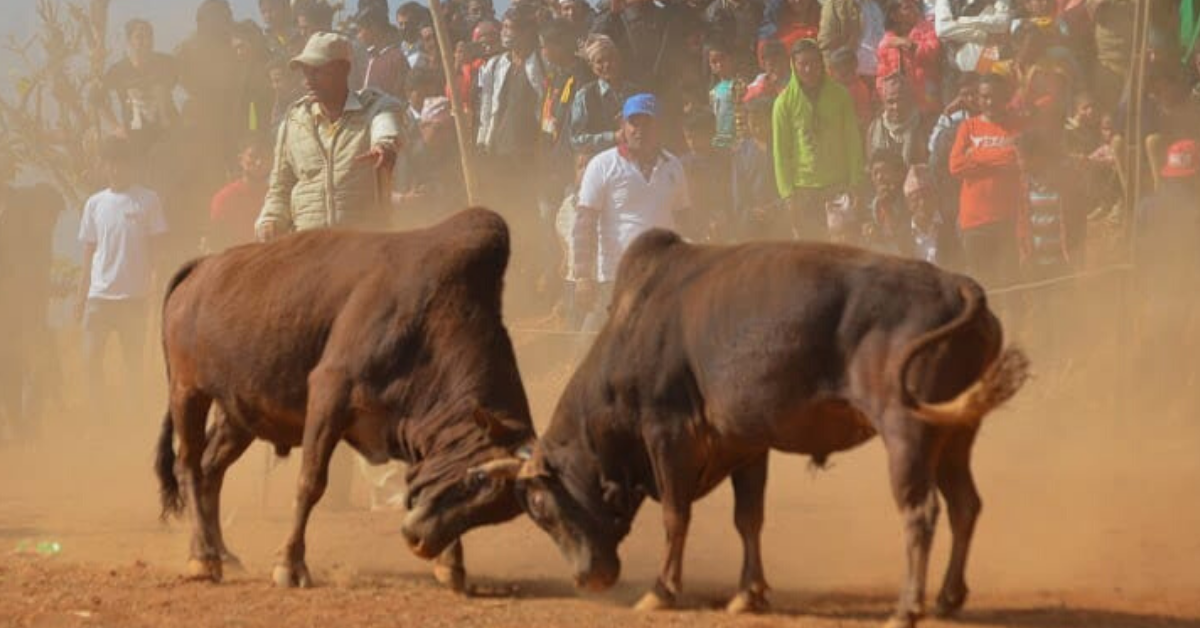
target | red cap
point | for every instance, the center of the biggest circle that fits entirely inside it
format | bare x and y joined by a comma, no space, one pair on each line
1181,160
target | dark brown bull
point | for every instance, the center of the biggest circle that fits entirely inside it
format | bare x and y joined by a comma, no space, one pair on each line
391,342
713,356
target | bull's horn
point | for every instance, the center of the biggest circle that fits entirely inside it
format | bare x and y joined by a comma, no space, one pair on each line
502,468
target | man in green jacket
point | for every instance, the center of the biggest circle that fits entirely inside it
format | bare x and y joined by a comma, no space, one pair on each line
335,149
818,147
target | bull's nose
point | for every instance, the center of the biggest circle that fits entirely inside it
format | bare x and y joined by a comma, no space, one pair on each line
416,544
595,582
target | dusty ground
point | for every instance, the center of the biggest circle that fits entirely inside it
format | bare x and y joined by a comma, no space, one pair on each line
1090,519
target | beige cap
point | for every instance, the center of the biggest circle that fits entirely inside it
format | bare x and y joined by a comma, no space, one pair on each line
323,48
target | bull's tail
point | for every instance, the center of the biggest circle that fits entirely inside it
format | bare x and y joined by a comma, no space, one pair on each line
164,457
1000,380
164,467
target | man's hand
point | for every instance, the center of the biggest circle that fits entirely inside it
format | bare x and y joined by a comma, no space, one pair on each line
266,232
953,106
383,156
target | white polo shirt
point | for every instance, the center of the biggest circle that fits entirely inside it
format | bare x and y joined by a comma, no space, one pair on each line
621,204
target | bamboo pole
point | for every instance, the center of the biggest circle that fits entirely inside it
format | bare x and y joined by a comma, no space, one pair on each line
464,155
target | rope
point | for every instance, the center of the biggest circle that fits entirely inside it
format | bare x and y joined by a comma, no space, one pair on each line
1034,285
1021,287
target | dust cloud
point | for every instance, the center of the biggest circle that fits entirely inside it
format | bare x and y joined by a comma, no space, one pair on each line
1088,479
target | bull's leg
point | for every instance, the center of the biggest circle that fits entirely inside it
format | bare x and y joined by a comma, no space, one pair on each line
226,443
749,486
448,569
189,411
674,472
963,506
325,420
911,461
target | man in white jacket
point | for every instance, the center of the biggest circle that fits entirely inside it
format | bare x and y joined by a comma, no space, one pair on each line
968,28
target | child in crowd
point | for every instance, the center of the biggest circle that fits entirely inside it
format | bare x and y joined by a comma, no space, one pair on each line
773,58
843,67
118,230
709,172
933,239
235,208
1055,209
756,201
984,159
720,96
886,226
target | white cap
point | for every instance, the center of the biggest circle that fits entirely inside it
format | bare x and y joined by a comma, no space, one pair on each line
322,49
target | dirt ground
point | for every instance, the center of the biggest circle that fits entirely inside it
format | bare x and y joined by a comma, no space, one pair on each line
1090,520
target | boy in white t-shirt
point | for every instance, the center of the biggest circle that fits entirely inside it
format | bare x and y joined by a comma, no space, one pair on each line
118,231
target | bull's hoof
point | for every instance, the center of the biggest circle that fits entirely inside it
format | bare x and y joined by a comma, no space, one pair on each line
652,601
948,604
291,576
455,578
204,569
748,602
902,620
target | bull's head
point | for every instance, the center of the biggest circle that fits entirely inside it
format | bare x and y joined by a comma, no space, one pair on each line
471,485
585,513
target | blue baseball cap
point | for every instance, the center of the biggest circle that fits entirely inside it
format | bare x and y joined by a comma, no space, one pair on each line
640,105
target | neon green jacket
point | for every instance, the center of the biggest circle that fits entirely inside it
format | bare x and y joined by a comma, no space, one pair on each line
816,146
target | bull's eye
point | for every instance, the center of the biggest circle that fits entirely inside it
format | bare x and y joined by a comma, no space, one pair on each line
537,505
477,480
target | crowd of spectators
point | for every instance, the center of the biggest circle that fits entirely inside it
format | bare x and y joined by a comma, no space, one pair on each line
981,135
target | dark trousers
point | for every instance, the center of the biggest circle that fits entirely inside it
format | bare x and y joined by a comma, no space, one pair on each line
806,208
991,253
124,320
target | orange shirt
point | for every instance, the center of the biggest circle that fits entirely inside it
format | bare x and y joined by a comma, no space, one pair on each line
984,158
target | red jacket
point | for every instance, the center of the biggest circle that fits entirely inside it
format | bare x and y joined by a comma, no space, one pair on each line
920,65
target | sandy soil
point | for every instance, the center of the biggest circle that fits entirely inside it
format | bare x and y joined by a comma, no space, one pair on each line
1090,519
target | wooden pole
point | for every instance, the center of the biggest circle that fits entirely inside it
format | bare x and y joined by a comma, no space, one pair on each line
464,155
1128,311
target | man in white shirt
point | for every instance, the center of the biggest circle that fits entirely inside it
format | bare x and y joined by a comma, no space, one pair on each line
968,28
626,191
119,228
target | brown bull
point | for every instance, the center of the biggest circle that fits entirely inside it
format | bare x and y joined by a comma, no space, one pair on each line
393,343
713,356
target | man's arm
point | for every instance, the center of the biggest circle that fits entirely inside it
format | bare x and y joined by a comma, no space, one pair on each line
581,140
855,160
585,234
956,30
276,215
85,280
386,134
784,140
